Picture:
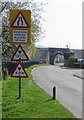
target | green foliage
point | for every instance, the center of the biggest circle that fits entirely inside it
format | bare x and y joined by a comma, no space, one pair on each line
4,73
34,102
72,56
30,50
77,63
36,26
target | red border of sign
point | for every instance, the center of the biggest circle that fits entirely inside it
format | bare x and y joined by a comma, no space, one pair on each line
20,26
23,70
19,46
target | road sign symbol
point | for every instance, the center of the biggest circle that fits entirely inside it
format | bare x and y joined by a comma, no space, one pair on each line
19,71
20,27
20,55
20,21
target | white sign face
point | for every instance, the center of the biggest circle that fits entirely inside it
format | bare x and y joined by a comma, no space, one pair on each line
19,72
20,55
20,21
20,36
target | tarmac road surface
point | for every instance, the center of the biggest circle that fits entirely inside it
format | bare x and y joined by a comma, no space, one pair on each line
69,87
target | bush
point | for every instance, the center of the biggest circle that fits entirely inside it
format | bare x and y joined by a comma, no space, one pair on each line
4,73
76,65
72,56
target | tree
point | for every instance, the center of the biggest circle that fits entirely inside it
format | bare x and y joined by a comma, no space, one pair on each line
72,56
36,26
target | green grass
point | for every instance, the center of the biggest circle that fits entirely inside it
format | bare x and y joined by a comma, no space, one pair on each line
34,102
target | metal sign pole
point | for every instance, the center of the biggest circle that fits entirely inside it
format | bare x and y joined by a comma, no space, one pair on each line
19,83
19,88
20,72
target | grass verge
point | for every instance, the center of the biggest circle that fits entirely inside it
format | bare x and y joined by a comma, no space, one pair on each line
34,102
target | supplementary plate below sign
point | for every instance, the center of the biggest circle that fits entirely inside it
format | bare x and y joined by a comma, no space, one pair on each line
20,36
20,55
19,72
20,27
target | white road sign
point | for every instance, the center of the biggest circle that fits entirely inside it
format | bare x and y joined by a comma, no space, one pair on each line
20,27
20,21
20,55
19,72
20,36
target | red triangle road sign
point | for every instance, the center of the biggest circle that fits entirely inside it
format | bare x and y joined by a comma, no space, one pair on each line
19,55
19,71
20,21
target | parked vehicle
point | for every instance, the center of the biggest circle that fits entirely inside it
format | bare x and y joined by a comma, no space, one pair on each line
81,61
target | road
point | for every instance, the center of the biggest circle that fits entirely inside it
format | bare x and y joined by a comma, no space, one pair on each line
69,87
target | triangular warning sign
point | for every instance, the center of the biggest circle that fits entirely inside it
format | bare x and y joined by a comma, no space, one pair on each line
19,55
19,72
20,21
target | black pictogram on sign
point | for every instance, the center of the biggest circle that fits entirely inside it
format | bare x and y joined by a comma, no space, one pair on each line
20,55
20,21
19,71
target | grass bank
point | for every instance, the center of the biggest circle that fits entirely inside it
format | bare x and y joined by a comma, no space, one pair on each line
34,102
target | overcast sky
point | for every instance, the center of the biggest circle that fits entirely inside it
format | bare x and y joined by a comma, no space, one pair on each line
63,24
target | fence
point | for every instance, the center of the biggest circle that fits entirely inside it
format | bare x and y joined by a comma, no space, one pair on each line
11,65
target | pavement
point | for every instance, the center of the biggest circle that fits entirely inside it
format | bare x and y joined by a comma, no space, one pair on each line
75,72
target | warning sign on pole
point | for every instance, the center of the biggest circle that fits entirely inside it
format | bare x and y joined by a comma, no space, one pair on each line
20,21
20,55
19,71
20,27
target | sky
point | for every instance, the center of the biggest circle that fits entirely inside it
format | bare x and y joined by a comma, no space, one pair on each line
63,24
